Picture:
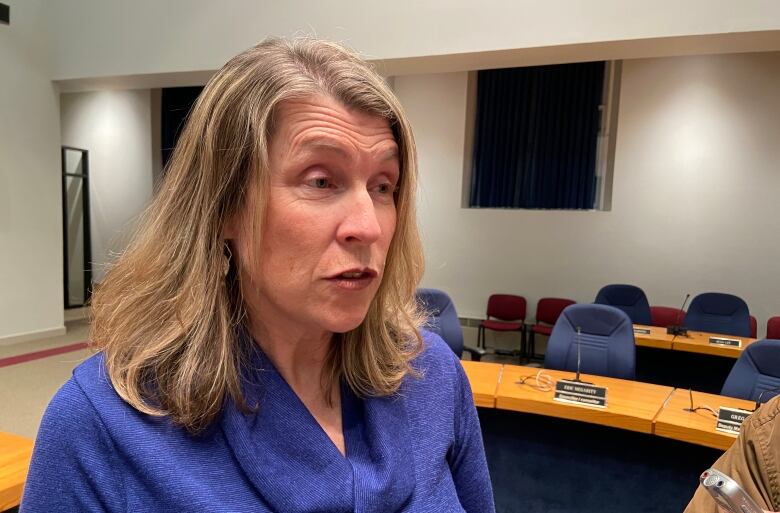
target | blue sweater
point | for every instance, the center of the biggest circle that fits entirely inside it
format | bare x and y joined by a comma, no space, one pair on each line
420,450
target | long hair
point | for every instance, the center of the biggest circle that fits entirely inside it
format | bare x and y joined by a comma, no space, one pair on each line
167,317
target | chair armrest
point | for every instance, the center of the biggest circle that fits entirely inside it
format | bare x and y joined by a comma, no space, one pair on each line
475,352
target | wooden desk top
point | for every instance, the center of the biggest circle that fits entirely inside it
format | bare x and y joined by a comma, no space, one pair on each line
630,405
699,342
484,378
657,338
15,453
697,427
695,342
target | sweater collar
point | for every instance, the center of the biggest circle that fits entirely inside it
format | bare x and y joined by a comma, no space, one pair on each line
293,464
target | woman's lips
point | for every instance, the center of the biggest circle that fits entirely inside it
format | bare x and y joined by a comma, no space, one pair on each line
354,279
352,283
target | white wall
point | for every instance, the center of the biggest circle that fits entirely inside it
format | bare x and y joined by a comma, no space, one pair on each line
31,301
95,38
115,127
694,199
84,39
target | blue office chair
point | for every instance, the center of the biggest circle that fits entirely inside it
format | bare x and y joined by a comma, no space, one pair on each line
443,320
756,375
606,340
715,312
629,298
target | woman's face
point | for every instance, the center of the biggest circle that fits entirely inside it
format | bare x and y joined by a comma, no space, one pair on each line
330,217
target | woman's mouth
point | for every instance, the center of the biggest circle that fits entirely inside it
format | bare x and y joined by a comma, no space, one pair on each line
354,279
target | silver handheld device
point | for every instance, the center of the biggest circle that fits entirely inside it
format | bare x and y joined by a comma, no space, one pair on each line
727,493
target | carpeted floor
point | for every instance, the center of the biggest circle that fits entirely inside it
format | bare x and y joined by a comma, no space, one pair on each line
26,388
545,465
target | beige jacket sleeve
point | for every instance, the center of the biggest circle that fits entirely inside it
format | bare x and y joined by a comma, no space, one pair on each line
752,461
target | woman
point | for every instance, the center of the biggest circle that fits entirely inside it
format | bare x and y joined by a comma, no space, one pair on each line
259,341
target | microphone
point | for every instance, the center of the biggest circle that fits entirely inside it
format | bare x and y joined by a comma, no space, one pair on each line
579,359
677,328
690,395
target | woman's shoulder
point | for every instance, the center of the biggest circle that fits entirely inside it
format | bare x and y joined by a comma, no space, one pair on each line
79,399
91,378
72,425
437,364
89,399
88,403
436,350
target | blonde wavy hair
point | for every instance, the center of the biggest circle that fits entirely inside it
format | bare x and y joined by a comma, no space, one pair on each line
167,318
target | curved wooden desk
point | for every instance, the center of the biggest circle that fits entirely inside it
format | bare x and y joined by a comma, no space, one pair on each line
484,378
658,338
631,405
694,342
15,453
675,421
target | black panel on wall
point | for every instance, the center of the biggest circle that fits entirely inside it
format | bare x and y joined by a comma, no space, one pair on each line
176,103
5,14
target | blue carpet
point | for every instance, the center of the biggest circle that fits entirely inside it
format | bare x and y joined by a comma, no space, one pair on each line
545,465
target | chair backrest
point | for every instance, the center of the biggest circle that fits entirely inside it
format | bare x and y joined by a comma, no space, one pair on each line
716,312
754,328
442,317
756,371
506,307
629,298
664,316
773,328
548,309
606,341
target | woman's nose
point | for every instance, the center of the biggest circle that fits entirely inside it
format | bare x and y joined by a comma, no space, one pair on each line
360,222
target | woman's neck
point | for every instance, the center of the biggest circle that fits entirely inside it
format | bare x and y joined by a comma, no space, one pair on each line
297,354
299,358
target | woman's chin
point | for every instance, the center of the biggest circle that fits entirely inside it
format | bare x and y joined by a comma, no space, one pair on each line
345,321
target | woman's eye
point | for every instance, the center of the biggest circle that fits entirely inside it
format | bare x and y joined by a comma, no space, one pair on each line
320,183
386,188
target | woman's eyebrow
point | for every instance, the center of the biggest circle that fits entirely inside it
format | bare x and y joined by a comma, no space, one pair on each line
320,144
390,154
314,145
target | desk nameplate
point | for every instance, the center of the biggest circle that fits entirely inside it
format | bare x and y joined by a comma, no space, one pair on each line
642,331
730,419
584,394
723,341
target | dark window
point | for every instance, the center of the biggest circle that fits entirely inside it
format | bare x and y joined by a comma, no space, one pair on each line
175,106
536,137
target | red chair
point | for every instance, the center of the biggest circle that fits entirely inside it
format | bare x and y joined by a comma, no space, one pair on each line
754,327
548,309
664,316
508,314
773,328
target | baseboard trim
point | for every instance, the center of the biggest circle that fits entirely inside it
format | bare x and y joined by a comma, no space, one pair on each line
17,338
470,322
76,314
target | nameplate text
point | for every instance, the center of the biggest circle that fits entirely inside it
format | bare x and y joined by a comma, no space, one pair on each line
723,341
730,419
576,392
